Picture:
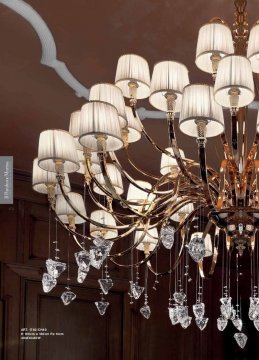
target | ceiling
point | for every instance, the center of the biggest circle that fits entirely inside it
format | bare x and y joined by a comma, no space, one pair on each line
89,39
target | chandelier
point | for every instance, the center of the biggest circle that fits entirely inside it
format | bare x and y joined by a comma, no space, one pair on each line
166,210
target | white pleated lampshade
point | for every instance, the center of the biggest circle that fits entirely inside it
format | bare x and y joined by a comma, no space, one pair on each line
168,77
133,68
74,123
184,210
115,177
42,178
199,104
207,241
54,146
213,39
151,238
253,48
111,94
98,118
140,197
81,160
63,210
103,217
134,126
169,162
234,72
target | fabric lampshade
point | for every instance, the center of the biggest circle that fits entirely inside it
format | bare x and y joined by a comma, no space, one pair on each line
134,126
98,118
103,217
253,48
140,197
184,210
151,237
42,178
63,210
133,68
207,241
168,77
74,123
213,39
168,162
57,146
234,72
115,177
110,94
199,104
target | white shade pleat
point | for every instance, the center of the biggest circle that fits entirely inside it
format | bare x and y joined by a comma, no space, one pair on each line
213,38
133,68
140,197
63,210
115,177
134,125
42,178
185,210
167,162
151,237
103,217
168,77
57,145
98,118
253,48
198,103
234,71
207,242
74,123
113,95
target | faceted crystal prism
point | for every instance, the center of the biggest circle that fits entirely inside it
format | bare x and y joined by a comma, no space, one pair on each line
233,314
238,323
97,256
226,311
67,297
145,311
83,260
256,323
182,313
225,300
55,268
107,244
221,323
198,310
253,312
106,285
179,297
101,306
136,290
201,323
48,282
167,236
196,248
241,339
173,315
81,275
186,322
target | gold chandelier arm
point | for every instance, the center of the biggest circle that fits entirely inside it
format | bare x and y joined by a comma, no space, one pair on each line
212,266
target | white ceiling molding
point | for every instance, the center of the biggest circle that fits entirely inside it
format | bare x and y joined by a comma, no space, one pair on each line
49,56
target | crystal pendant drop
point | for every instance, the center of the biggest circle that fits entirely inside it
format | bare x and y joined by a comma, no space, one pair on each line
48,282
179,297
238,323
198,310
136,290
83,260
55,268
106,285
201,323
67,297
225,300
256,323
253,312
145,311
182,313
221,323
233,314
173,315
107,244
186,322
81,275
97,256
167,236
196,248
241,339
101,306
